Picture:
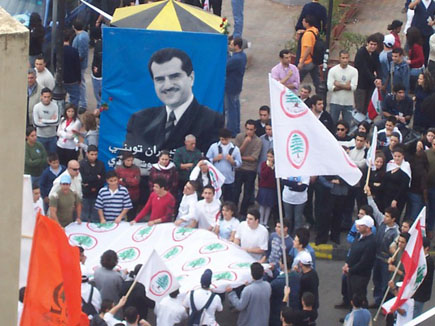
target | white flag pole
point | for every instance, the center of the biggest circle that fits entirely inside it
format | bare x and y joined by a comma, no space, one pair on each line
281,221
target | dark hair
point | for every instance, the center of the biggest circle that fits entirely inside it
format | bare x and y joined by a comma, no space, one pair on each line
111,174
174,294
291,316
164,152
238,41
68,35
303,235
231,206
408,221
194,184
89,121
289,259
250,122
225,133
358,300
35,185
365,124
29,130
413,36
399,149
21,293
71,106
343,51
35,20
106,305
361,134
130,314
398,51
81,249
257,271
426,242
283,52
209,187
167,54
372,38
393,211
254,212
286,223
308,299
395,134
161,182
398,87
314,99
264,108
310,20
307,87
268,123
392,119
405,235
109,259
46,90
368,209
343,123
428,83
78,25
126,155
40,57
53,157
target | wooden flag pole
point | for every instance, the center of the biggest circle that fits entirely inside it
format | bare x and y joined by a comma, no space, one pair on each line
131,288
281,221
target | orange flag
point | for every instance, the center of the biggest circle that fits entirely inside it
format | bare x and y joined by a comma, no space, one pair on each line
53,292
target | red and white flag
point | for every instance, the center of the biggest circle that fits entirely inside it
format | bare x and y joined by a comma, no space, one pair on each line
371,153
302,144
414,262
374,108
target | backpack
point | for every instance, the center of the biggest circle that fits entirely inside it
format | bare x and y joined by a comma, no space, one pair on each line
319,49
230,152
87,307
195,315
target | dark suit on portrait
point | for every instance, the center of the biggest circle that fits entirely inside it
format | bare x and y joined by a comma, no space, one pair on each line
147,127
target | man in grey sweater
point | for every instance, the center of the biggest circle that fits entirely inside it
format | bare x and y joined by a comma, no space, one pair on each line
254,302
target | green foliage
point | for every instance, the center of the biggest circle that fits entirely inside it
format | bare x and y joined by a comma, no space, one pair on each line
352,41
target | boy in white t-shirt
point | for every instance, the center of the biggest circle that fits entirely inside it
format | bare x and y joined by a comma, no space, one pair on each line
207,211
252,236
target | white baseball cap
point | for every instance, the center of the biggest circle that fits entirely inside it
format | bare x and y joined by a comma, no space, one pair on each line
365,220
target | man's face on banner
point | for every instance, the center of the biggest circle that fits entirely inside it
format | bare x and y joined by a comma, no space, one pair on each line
172,84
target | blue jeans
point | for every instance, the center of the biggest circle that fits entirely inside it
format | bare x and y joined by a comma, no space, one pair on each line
49,143
345,110
237,6
418,308
89,213
232,113
97,86
314,72
380,279
83,101
431,214
415,205
74,93
295,214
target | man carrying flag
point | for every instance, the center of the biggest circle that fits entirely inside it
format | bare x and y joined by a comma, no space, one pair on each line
54,280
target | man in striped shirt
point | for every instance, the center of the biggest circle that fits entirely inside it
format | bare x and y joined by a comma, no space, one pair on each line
113,201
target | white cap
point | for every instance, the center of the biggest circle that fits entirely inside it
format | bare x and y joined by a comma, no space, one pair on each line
365,220
305,258
389,40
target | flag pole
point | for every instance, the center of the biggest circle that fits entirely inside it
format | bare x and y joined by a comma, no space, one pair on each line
388,290
281,221
131,288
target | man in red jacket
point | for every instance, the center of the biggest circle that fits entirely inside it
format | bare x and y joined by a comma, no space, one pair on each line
160,204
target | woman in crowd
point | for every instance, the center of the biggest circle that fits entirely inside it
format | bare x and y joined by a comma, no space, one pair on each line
227,225
425,87
90,137
36,37
376,180
67,142
426,140
266,196
417,194
165,169
415,54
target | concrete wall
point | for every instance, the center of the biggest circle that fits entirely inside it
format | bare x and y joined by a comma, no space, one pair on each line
14,45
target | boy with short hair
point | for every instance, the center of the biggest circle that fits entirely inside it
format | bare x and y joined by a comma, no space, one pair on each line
160,204
92,171
207,211
385,134
37,200
51,172
113,200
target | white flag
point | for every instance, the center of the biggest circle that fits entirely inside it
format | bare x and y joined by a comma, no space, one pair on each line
371,153
157,278
302,144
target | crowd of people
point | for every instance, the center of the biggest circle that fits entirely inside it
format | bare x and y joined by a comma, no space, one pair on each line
71,184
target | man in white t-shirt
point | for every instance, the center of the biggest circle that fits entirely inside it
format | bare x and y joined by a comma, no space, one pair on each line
207,211
170,310
43,75
342,83
186,211
201,297
252,236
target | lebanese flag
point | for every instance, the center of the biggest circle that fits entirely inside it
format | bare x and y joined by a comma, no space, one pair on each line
414,262
53,292
301,143
374,107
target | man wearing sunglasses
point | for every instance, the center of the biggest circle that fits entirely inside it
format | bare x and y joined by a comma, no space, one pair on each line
73,170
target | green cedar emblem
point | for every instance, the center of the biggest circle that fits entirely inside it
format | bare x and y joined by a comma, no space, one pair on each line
214,246
104,226
127,254
145,231
197,262
223,276
83,240
163,281
290,97
243,265
172,252
183,230
297,145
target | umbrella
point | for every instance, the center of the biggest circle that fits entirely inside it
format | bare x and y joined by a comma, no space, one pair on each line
167,15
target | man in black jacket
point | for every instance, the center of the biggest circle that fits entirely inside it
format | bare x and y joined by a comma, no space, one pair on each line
93,173
165,127
369,72
359,262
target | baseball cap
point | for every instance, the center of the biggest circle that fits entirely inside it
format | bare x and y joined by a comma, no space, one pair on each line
65,179
206,278
305,258
365,220
389,40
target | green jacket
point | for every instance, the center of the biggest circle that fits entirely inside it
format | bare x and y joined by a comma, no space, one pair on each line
35,159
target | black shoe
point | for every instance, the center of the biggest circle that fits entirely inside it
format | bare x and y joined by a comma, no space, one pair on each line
341,320
82,110
342,305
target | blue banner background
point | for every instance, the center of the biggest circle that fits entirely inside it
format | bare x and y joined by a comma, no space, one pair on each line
128,87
